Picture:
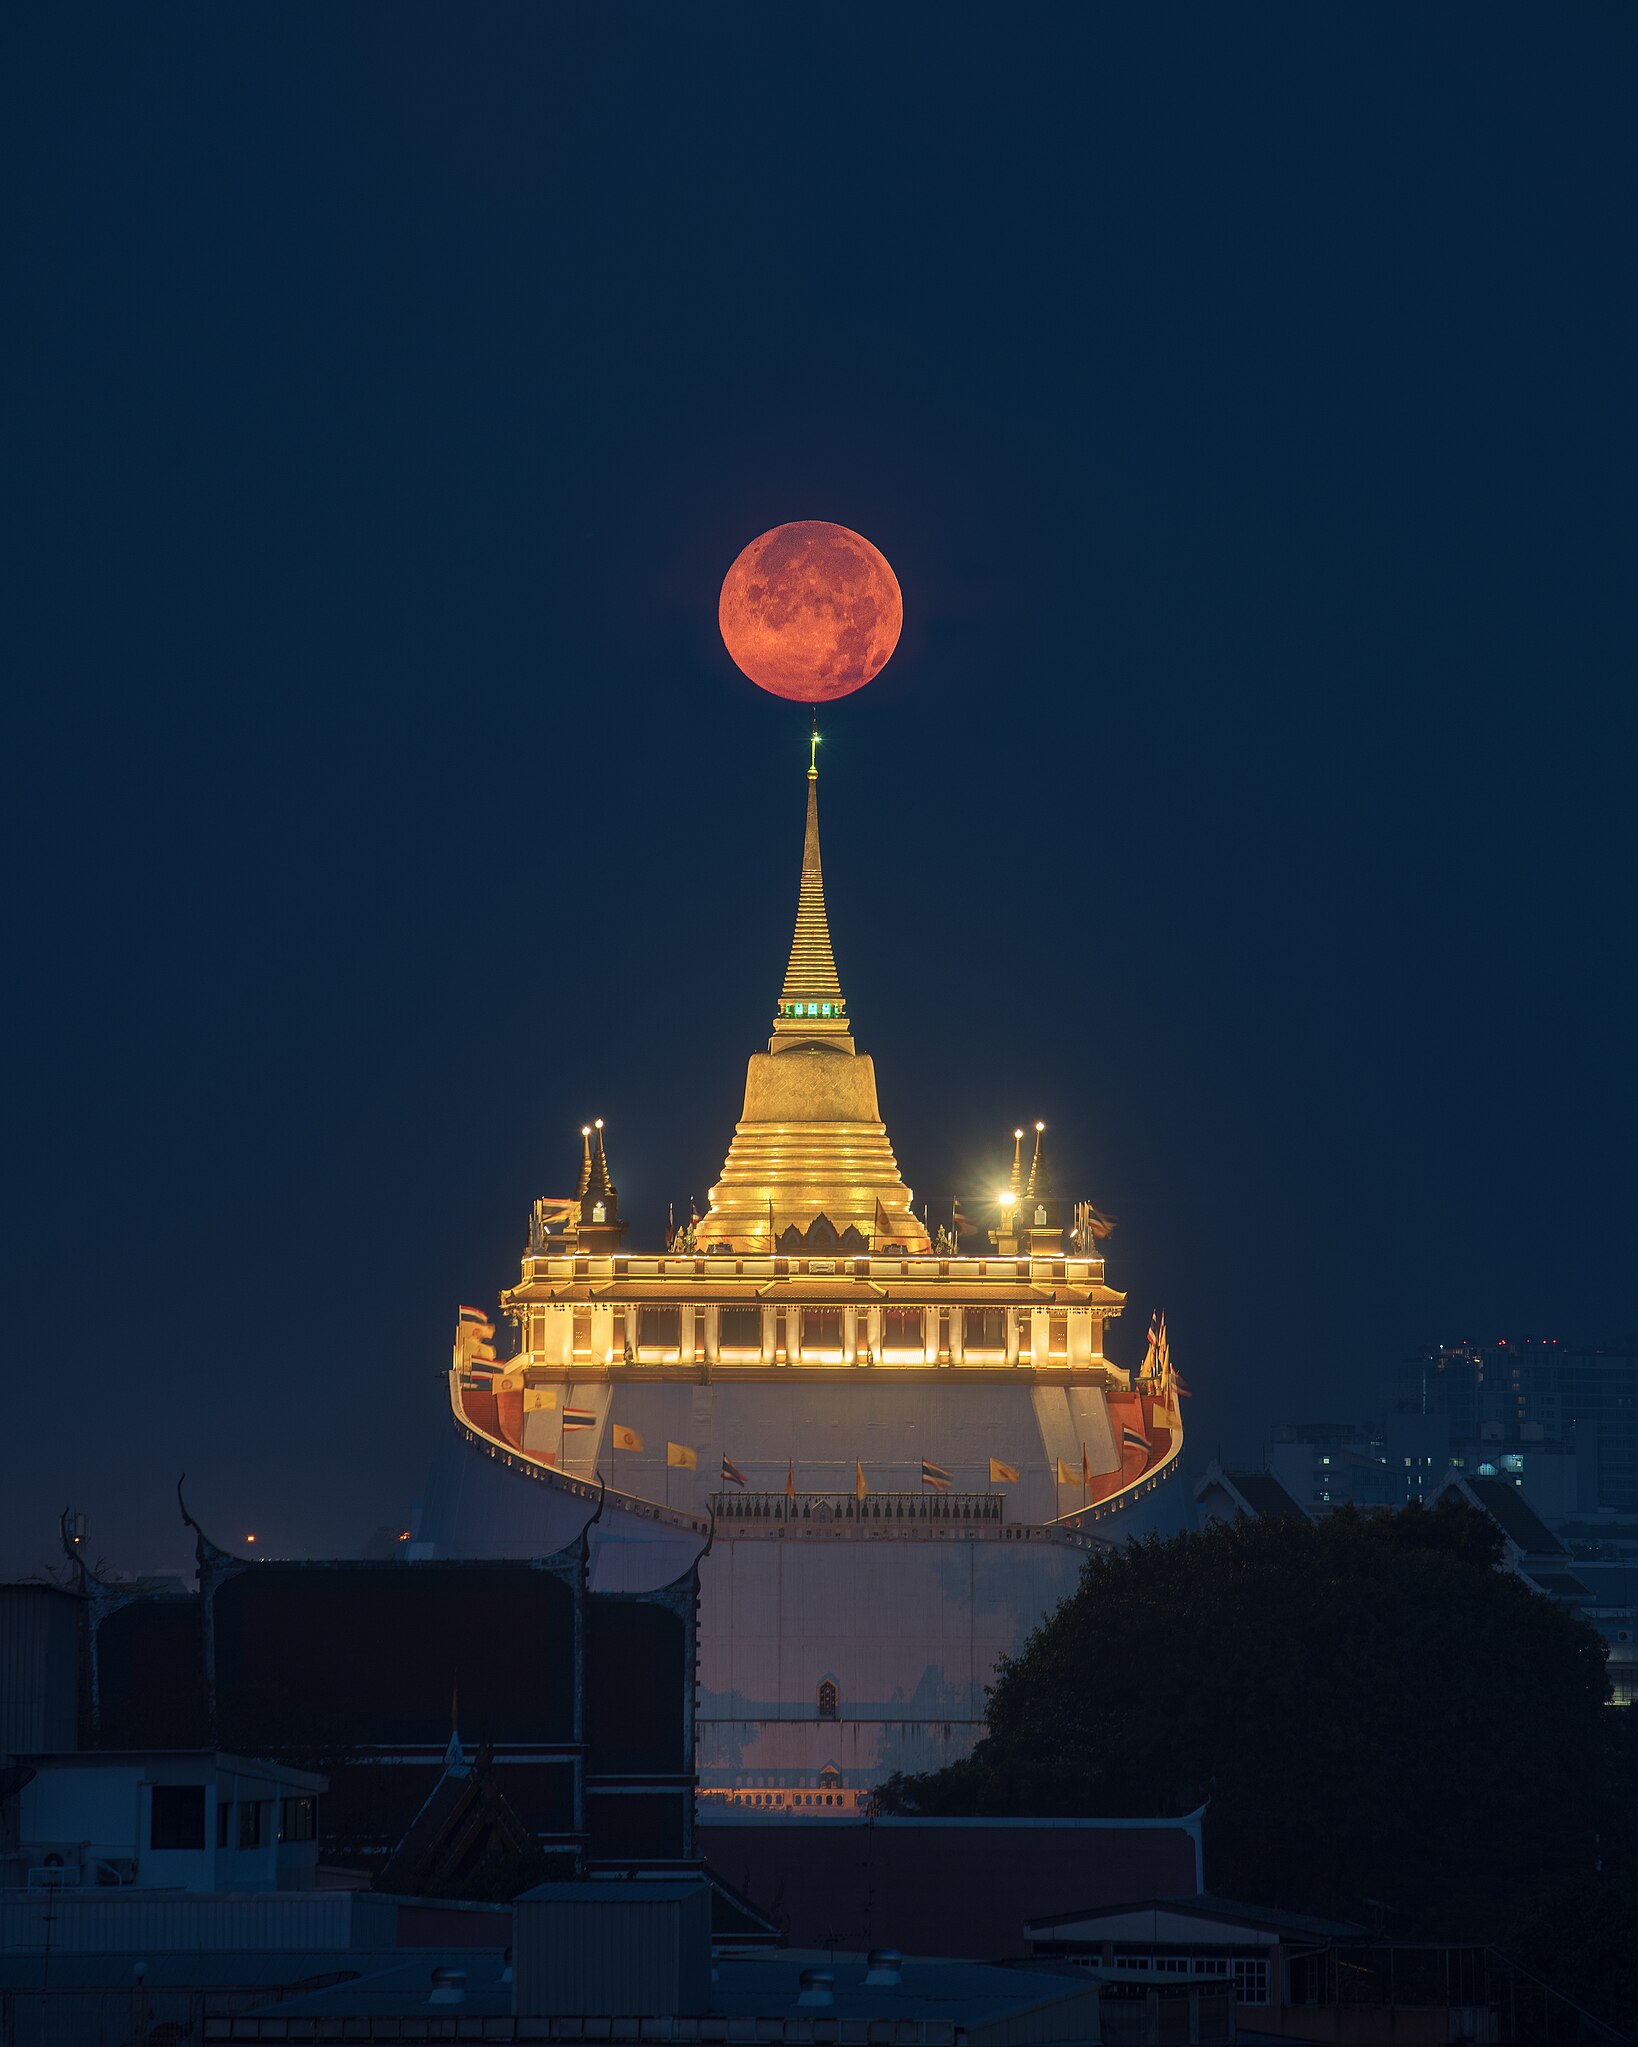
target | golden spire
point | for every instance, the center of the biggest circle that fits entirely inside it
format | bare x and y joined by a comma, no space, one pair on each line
810,1003
1037,1168
811,1143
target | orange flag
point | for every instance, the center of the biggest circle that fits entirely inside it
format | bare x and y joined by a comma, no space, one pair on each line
625,1439
859,1486
1002,1474
790,1480
1065,1475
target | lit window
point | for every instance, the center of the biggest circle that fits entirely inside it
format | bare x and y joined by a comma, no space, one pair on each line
813,1009
824,1009
828,1700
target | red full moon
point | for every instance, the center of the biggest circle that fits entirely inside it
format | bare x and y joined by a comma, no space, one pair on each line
810,611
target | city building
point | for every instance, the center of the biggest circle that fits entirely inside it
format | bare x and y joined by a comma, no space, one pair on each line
578,1702
164,1819
886,1440
1558,1420
1307,1979
943,1886
1333,1464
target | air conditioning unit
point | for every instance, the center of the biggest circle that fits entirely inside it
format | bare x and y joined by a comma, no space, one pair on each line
55,1876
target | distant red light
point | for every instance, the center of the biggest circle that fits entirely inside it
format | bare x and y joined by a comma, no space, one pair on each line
250,1538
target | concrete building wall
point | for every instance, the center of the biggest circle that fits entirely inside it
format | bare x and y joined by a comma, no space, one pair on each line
39,1630
131,1923
588,1948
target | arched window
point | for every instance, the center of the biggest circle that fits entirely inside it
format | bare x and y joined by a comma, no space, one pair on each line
827,1700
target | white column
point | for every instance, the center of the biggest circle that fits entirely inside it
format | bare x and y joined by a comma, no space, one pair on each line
1012,1336
685,1334
958,1335
557,1337
850,1335
1080,1336
602,1334
1040,1336
713,1335
873,1332
768,1313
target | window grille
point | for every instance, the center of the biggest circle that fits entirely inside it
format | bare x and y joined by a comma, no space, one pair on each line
984,1328
821,1328
659,1328
739,1329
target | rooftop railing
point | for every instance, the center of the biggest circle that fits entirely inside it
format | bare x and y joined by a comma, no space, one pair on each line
874,1511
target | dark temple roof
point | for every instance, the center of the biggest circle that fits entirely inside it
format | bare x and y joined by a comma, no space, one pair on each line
1515,1517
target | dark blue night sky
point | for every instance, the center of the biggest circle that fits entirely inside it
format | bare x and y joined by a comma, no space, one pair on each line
1245,400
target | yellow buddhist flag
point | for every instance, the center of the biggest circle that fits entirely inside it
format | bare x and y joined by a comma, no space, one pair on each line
625,1439
790,1480
1002,1474
539,1399
680,1458
1065,1475
859,1486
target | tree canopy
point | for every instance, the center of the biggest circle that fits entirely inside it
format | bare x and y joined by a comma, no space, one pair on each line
1380,1724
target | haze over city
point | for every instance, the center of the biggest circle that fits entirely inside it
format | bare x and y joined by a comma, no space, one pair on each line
1246,796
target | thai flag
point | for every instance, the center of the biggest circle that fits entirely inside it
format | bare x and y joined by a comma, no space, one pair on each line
485,1369
579,1418
1135,1439
934,1475
473,1315
731,1473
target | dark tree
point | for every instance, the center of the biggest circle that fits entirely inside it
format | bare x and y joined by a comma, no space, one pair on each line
1380,1724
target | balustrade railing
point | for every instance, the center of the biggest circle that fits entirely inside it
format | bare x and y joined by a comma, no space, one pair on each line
875,1510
